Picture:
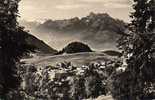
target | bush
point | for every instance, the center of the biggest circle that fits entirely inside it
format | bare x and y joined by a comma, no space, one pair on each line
65,81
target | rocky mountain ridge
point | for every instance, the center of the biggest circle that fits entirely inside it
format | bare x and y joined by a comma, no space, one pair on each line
99,30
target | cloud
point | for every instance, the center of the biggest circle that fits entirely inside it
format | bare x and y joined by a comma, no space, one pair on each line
116,5
70,6
107,1
89,4
62,9
96,1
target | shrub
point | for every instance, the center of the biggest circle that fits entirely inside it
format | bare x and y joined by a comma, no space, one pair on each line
65,81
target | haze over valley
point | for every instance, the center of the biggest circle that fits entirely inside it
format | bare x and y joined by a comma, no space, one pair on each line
99,30
94,22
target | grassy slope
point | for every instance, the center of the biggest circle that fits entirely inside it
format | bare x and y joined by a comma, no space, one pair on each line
76,59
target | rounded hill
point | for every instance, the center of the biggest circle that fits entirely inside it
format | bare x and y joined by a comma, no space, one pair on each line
76,47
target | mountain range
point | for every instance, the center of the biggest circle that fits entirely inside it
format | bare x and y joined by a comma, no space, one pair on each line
98,30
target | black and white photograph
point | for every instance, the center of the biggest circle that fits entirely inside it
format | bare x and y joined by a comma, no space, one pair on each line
77,49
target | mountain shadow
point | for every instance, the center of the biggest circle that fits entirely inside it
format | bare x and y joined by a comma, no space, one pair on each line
40,46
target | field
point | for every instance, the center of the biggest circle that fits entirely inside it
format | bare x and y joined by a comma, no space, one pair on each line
76,59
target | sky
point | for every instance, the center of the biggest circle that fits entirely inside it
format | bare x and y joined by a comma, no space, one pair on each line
40,10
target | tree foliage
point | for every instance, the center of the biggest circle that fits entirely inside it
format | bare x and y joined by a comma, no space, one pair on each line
65,81
138,80
76,47
12,45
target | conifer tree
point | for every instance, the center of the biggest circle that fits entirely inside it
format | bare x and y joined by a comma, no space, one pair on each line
138,80
12,46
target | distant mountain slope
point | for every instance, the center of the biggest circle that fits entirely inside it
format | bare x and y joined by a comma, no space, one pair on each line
29,24
93,22
100,31
40,46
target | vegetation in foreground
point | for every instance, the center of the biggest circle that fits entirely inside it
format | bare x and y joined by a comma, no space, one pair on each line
65,81
12,46
137,82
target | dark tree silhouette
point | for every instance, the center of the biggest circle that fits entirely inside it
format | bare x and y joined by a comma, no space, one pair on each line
12,46
76,47
138,80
